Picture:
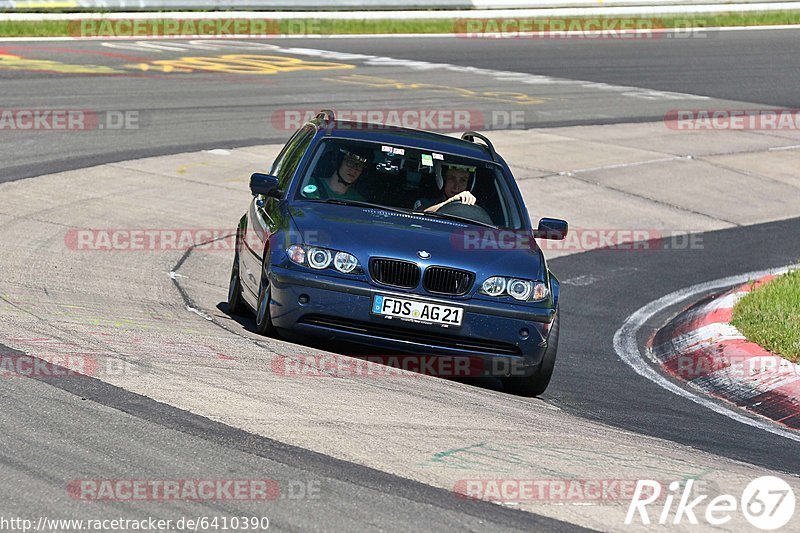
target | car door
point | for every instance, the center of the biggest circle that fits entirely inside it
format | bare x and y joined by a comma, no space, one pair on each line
263,214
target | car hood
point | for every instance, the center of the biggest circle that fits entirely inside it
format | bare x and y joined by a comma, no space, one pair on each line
373,232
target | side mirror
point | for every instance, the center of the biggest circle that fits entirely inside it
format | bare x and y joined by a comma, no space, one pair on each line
265,184
551,228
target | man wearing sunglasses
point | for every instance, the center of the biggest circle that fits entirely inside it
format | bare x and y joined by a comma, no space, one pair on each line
341,184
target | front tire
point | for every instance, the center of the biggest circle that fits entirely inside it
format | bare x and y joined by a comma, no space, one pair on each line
536,383
263,318
236,305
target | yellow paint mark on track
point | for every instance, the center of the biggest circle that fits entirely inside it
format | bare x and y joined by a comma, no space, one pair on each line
160,68
183,169
230,64
12,62
239,64
384,83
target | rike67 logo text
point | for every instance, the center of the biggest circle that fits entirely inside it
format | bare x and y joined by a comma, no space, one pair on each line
767,503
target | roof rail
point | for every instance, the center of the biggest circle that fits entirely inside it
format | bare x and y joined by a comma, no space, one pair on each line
326,115
471,135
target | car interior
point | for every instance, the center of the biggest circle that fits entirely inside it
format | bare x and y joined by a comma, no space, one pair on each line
399,180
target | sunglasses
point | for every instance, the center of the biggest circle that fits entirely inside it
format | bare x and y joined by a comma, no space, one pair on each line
354,163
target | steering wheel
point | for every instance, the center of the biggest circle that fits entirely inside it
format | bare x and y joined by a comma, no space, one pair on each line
471,212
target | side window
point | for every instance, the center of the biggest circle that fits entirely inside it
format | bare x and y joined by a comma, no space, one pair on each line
276,165
286,163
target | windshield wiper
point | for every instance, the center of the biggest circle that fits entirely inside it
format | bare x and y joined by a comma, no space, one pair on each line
456,217
356,203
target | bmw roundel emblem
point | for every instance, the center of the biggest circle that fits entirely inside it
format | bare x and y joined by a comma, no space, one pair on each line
423,254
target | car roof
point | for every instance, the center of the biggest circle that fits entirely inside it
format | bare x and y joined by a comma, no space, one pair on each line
385,134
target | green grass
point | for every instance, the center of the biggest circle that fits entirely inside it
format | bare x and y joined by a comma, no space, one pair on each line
770,316
347,27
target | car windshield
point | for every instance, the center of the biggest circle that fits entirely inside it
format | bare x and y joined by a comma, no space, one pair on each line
410,179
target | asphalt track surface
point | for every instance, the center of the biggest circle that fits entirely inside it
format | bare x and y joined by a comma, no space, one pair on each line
608,389
748,66
58,429
187,112
759,68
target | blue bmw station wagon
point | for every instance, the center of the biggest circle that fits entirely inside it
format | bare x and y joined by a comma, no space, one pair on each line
400,240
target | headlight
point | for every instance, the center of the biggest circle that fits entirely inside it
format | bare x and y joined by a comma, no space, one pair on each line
345,262
322,258
297,254
494,286
319,258
519,289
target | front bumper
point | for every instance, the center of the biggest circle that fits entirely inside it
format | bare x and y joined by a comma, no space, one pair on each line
507,339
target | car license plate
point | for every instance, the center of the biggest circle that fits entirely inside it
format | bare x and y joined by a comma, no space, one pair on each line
415,311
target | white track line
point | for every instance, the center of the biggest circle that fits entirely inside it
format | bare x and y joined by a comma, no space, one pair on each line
683,31
627,347
681,9
502,76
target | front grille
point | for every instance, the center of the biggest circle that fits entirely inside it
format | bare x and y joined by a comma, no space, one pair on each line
403,274
418,336
441,280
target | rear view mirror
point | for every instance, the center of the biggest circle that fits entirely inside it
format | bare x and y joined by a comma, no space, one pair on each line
551,228
390,165
264,184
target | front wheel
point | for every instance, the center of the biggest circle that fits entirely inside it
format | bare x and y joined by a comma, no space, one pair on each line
263,318
536,384
236,305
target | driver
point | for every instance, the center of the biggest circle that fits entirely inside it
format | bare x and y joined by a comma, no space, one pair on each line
341,184
457,179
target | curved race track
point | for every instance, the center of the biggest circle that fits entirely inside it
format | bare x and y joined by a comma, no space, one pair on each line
183,391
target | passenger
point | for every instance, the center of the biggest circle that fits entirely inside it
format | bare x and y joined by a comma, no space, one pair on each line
341,184
457,179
